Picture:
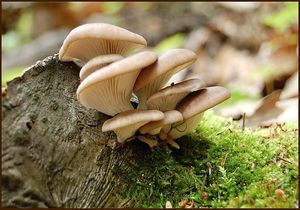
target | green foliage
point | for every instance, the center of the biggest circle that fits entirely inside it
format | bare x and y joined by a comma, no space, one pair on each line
172,42
236,96
243,168
14,38
9,75
112,7
284,18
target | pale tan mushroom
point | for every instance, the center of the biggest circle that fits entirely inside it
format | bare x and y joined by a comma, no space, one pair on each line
193,106
154,77
109,90
91,40
167,98
127,123
98,63
154,127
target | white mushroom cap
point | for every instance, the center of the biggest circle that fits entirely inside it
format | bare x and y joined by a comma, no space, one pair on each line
168,98
152,78
182,128
97,63
201,100
109,90
127,123
154,127
90,40
193,106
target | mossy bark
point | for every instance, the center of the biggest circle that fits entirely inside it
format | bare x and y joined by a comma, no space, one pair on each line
53,151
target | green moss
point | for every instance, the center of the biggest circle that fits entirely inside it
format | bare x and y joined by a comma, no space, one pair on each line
242,168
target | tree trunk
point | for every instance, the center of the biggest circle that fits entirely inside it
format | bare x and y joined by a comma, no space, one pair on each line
53,151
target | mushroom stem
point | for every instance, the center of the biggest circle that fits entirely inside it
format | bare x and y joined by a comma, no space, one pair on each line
124,134
172,143
162,135
151,142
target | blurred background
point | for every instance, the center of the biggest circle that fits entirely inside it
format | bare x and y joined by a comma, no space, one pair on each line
249,47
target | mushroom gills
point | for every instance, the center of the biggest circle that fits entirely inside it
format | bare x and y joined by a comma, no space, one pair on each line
155,127
148,90
167,98
155,76
115,94
126,124
125,133
97,63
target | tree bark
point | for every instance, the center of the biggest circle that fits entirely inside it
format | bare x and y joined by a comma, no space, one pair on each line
53,151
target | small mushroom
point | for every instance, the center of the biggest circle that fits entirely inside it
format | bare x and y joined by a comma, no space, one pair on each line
154,77
168,97
97,63
127,123
109,90
193,106
90,40
149,141
154,127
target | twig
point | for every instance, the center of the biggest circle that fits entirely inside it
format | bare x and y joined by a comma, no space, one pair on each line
287,161
203,182
208,172
244,121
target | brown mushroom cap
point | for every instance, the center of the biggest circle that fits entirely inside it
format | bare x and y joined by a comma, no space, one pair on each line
109,90
127,123
168,97
201,100
170,117
97,63
90,40
152,78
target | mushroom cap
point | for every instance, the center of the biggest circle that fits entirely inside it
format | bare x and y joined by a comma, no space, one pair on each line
170,117
201,100
97,63
154,77
182,128
131,117
109,90
168,97
90,40
167,64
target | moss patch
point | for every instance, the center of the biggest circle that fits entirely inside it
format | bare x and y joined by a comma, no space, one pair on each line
218,165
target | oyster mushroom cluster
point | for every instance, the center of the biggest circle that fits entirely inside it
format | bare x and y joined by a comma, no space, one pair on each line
111,74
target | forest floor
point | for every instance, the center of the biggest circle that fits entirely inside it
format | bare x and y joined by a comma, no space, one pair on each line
220,165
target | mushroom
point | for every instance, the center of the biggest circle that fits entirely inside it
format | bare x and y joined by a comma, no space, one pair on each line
127,123
151,142
90,40
193,106
154,127
152,78
168,97
109,90
97,63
